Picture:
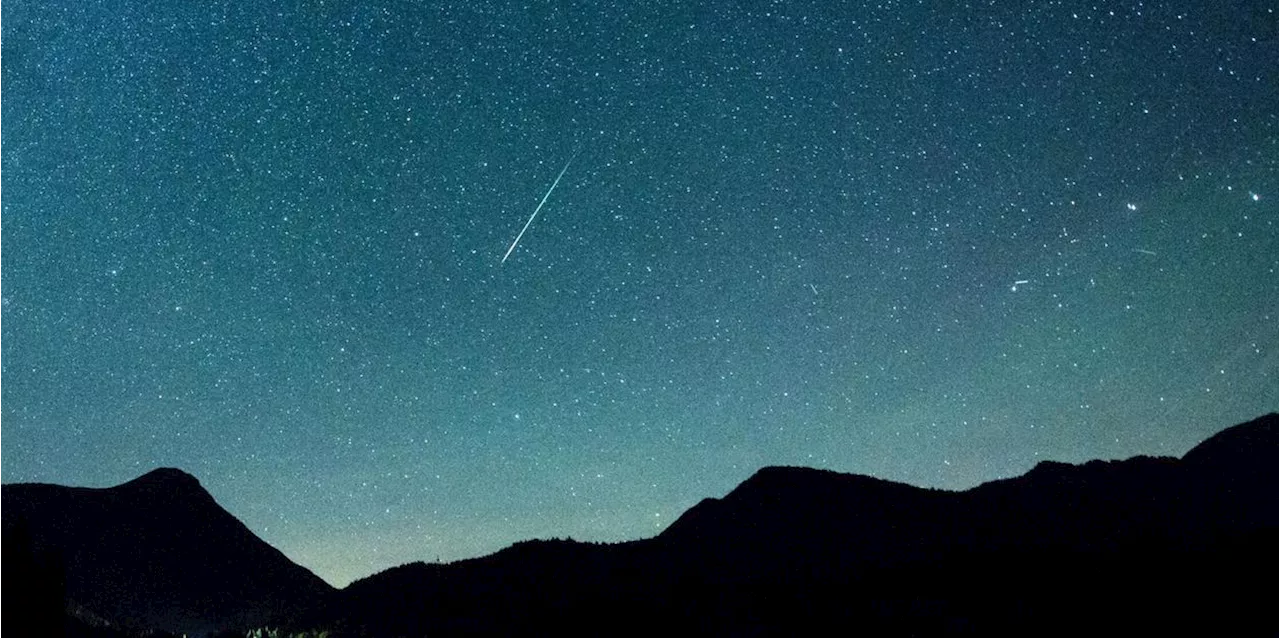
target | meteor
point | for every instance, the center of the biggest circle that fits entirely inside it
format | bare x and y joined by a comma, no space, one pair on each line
535,211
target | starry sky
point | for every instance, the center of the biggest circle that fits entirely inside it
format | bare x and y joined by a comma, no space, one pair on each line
933,242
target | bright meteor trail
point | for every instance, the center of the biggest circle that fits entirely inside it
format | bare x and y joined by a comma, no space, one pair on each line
535,211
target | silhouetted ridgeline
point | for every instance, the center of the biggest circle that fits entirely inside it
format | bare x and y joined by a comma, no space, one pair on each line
154,553
1143,545
1146,545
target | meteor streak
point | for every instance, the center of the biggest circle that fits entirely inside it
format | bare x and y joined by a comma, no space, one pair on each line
535,211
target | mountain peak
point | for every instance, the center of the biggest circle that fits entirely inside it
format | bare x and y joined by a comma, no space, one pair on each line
168,475
1256,438
166,479
786,475
160,551
784,481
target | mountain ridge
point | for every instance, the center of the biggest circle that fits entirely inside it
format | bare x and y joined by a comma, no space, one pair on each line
155,552
790,546
790,549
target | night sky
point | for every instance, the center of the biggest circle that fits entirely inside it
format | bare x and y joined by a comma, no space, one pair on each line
931,242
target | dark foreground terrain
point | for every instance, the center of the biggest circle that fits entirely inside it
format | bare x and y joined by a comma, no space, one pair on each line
154,553
1146,545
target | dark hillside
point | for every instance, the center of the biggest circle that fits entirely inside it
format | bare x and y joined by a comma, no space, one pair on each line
1137,546
156,552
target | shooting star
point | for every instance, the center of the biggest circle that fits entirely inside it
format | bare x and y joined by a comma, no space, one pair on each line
1017,283
535,211
1145,251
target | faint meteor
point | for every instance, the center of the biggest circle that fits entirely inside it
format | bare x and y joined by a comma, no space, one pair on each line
1145,251
1017,283
535,211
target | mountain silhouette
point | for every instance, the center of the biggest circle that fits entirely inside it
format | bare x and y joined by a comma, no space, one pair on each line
1141,545
1144,545
154,553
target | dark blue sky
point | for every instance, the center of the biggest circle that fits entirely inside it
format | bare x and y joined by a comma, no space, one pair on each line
930,242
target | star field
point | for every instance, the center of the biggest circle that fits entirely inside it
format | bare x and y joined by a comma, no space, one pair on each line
929,242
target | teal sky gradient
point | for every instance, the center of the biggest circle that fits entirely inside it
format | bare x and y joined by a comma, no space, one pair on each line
935,244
